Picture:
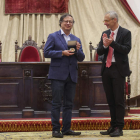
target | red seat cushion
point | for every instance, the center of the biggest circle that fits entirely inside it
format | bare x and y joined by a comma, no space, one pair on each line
96,57
126,88
30,54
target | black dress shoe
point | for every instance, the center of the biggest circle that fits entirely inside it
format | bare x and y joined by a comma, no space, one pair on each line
57,134
118,132
110,130
71,132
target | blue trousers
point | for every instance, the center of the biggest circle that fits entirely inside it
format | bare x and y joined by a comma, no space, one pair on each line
65,88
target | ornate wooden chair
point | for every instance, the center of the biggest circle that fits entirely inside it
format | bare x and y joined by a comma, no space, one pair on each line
95,58
127,88
0,52
30,52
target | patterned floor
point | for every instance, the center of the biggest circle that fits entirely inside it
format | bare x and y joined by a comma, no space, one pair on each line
86,135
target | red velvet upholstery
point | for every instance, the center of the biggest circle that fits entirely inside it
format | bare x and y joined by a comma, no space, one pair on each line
96,57
30,54
126,88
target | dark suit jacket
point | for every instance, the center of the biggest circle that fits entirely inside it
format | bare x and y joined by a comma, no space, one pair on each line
122,47
62,66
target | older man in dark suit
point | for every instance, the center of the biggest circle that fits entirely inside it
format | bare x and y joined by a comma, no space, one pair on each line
115,44
63,74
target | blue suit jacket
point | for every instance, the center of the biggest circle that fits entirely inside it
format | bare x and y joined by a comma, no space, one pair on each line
62,66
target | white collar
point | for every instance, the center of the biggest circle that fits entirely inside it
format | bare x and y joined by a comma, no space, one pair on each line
62,33
115,31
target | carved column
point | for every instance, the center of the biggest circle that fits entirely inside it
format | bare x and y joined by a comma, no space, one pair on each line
27,112
84,110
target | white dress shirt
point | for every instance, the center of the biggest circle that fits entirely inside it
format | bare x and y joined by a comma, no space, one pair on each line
66,37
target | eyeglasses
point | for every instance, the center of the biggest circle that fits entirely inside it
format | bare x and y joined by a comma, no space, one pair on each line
67,21
107,20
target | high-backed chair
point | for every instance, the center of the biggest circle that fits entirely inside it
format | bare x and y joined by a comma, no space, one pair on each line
30,52
127,88
0,52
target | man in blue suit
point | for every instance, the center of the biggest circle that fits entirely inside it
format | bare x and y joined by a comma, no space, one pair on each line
63,74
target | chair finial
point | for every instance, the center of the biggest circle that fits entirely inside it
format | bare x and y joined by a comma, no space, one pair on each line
16,42
43,42
90,42
29,37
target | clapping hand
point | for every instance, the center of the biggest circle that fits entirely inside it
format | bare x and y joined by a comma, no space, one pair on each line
107,41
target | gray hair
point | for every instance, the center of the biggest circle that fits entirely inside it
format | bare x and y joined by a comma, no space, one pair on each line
112,14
